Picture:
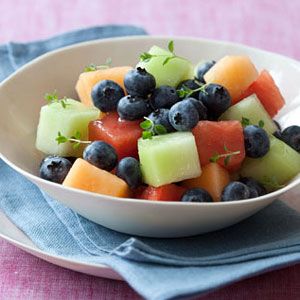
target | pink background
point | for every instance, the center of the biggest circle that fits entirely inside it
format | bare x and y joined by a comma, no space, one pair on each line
268,24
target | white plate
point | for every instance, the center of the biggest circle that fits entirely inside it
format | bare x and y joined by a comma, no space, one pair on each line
10,233
22,96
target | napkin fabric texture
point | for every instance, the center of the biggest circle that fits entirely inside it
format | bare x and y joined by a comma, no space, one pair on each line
155,268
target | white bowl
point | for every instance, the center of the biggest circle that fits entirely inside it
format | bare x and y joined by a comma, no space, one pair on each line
21,96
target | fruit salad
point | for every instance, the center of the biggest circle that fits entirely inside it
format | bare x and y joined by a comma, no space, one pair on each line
165,130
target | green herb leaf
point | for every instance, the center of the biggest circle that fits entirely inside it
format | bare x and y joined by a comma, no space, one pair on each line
76,145
261,123
227,160
185,91
167,60
90,68
151,129
61,139
171,46
146,135
145,56
160,129
93,67
147,124
227,156
214,158
245,122
51,97
75,139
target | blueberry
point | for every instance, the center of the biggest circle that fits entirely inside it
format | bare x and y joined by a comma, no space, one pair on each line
106,95
291,136
55,168
164,97
256,189
138,82
257,142
71,159
277,134
129,170
196,195
202,110
235,191
161,116
101,155
202,69
191,84
277,125
216,98
183,115
133,108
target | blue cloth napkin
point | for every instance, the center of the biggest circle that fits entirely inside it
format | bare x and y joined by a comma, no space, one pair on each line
155,268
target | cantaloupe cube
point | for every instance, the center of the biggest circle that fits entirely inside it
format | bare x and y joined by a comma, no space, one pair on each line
85,176
213,179
87,80
235,73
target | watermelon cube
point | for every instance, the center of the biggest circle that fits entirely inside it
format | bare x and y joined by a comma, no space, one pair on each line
168,192
172,73
218,138
267,92
120,134
168,158
252,109
276,168
55,118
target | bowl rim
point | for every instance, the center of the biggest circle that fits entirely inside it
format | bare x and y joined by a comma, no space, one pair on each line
35,178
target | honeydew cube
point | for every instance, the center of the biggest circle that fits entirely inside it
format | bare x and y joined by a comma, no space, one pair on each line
169,158
172,73
252,109
276,168
55,118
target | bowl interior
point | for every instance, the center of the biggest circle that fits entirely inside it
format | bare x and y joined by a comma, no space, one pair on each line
21,95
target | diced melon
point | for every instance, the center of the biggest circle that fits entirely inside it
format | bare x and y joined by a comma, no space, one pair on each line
169,158
213,179
168,192
235,73
267,92
85,176
121,134
172,73
55,118
87,80
252,109
220,138
276,168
